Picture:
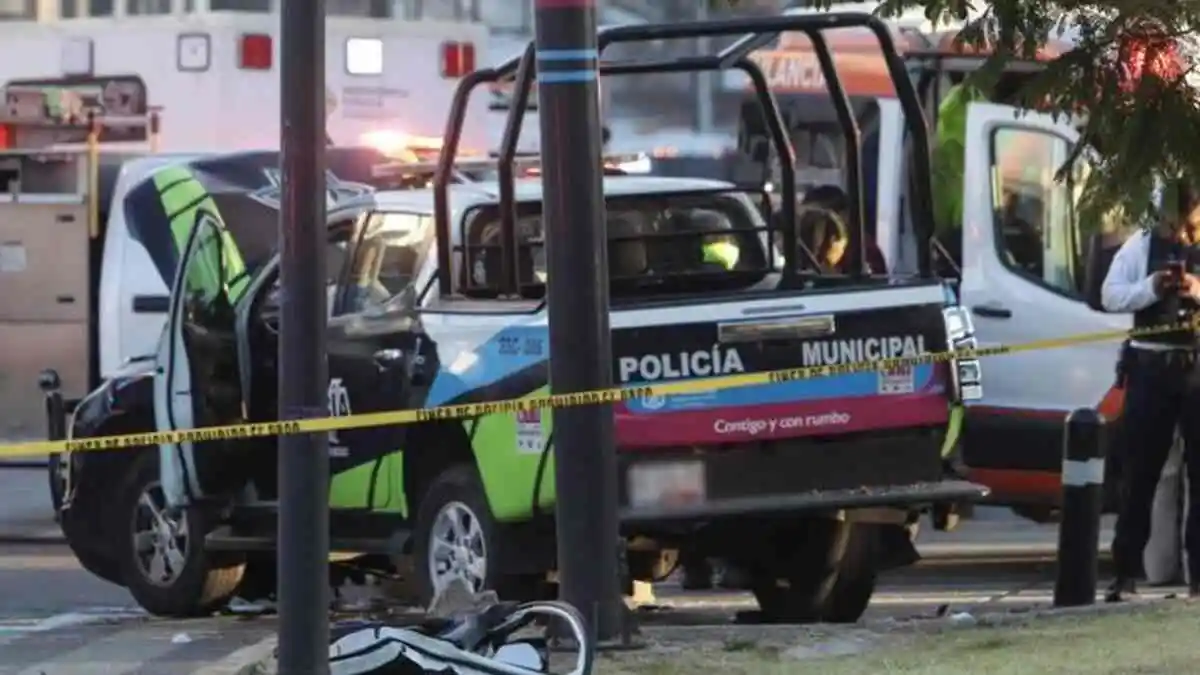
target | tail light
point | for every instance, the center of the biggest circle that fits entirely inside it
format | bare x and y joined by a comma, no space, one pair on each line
458,59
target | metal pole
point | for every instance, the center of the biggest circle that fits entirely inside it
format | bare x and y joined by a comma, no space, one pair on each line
303,371
580,349
1083,498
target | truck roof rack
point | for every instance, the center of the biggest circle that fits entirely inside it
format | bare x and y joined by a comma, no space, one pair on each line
756,32
470,170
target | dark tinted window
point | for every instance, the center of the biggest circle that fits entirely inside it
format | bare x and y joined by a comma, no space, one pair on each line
674,244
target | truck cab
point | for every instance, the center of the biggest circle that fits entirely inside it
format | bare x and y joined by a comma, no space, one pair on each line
1017,257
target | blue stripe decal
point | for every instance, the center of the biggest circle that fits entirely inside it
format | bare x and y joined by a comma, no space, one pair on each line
507,352
565,76
567,54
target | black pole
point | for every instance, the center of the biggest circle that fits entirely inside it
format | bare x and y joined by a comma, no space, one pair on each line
580,349
1083,498
303,371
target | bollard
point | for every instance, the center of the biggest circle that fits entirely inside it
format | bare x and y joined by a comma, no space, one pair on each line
56,416
1082,500
56,410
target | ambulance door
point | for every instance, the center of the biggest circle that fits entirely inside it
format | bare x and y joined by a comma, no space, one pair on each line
1023,281
198,380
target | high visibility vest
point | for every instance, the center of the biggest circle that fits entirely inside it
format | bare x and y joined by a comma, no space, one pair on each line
721,253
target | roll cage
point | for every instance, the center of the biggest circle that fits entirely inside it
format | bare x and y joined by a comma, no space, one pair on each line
756,32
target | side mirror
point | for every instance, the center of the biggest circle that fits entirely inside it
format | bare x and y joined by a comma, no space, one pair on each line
1098,256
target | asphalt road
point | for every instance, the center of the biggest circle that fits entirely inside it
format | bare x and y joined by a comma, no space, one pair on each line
56,619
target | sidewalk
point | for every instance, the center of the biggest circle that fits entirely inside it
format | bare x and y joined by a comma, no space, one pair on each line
81,644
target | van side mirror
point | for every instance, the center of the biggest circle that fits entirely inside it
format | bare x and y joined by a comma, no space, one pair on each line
1098,257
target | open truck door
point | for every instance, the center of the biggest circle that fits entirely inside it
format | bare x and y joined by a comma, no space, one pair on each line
198,351
1024,280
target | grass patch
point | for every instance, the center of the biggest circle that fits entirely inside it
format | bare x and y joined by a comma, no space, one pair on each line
1160,641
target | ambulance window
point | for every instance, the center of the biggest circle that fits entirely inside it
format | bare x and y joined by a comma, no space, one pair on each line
375,9
82,9
18,10
137,7
257,6
1034,213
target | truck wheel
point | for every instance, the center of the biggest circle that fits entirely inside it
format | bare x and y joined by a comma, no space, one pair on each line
162,558
456,538
831,578
857,572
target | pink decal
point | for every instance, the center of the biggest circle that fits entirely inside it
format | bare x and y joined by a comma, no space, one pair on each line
778,421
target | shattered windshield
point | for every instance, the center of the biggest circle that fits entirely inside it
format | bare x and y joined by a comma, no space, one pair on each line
660,244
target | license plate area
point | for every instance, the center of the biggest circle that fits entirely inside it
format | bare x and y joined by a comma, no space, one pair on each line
666,483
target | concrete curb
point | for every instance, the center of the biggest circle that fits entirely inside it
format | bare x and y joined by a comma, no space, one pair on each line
1017,616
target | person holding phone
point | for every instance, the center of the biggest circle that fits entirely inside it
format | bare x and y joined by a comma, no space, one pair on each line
1154,276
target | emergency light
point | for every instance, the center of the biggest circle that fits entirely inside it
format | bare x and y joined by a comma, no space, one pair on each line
255,51
458,59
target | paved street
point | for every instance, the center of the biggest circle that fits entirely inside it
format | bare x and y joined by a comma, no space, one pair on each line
56,619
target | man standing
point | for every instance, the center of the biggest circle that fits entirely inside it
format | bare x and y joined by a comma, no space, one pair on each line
1153,276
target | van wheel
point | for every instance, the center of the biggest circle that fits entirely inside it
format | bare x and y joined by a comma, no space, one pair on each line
830,578
162,557
455,538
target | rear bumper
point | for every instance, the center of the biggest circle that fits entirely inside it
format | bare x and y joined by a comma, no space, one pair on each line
902,469
917,495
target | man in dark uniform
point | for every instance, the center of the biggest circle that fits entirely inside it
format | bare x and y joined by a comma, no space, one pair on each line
1154,276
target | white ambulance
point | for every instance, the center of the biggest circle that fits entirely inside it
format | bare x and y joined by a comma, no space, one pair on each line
214,71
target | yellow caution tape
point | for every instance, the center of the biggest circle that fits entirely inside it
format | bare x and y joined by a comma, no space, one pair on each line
600,396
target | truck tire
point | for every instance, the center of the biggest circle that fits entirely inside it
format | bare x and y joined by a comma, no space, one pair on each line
831,578
455,537
857,573
162,557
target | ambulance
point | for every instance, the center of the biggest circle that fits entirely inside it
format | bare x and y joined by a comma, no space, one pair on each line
211,70
1019,256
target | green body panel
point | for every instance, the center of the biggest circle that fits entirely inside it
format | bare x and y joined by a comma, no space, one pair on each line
217,264
509,467
352,489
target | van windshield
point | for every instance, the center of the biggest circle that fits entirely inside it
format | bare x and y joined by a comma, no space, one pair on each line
662,244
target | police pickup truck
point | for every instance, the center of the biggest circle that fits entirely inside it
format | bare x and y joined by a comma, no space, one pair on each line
437,298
